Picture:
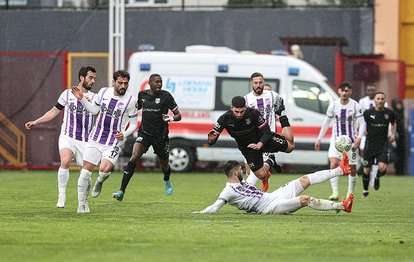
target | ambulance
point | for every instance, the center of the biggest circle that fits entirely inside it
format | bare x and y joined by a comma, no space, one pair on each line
204,79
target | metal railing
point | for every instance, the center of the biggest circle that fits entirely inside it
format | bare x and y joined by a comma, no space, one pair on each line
12,142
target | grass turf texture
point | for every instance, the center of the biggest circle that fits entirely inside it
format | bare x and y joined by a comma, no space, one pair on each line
150,226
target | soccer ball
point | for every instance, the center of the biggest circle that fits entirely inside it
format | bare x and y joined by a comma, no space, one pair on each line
343,143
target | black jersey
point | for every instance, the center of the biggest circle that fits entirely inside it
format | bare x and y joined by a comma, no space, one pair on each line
153,107
252,128
377,127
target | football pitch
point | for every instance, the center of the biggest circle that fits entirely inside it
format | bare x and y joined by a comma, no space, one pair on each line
150,226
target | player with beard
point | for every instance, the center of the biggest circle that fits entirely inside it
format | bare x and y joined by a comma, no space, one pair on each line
74,133
116,110
153,131
265,101
253,136
378,120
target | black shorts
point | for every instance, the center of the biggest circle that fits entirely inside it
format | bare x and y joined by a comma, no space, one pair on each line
254,158
161,146
375,155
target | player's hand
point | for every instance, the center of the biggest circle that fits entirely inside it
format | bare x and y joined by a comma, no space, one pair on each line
167,118
318,145
357,142
391,138
77,90
119,136
30,124
257,146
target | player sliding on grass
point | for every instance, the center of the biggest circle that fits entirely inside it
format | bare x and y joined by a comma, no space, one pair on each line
284,200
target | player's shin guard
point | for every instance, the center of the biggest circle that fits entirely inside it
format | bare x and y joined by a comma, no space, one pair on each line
167,174
63,178
128,173
365,181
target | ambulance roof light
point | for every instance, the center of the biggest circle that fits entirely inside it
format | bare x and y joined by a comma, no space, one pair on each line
223,68
145,67
293,71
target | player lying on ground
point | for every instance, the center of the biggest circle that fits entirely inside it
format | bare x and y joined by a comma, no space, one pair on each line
284,200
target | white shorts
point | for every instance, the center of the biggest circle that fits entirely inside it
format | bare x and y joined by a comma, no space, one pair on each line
76,146
363,141
353,154
285,199
95,152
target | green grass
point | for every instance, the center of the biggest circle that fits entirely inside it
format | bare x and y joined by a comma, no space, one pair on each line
150,226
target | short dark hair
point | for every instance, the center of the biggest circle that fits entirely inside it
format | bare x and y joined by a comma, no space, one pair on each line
256,74
83,71
229,166
121,73
238,101
379,93
153,76
344,85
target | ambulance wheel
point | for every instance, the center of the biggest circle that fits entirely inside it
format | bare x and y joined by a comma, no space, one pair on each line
182,157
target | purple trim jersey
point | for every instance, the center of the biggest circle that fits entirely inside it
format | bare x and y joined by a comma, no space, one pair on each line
114,115
77,120
265,104
345,118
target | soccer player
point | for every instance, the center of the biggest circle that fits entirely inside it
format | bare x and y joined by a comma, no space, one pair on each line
286,199
346,114
253,135
74,132
265,101
367,102
116,108
153,131
377,120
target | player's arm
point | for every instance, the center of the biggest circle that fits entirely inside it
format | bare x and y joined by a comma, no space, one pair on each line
393,128
132,125
213,208
325,125
173,118
360,117
214,133
92,106
266,133
49,115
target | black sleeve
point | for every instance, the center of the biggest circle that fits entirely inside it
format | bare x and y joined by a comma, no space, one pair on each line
59,106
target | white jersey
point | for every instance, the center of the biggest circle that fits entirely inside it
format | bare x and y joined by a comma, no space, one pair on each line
114,115
245,197
77,120
264,103
367,103
345,118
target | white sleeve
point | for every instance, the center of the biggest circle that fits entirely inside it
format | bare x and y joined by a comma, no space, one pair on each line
324,127
63,98
90,106
362,126
214,207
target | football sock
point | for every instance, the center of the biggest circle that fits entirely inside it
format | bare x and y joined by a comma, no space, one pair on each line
380,174
167,174
323,175
128,173
322,204
84,182
365,181
334,185
351,184
63,178
102,176
252,179
284,121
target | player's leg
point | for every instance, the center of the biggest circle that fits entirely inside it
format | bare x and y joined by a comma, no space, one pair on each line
66,156
162,150
251,179
138,150
109,158
383,160
334,160
353,156
324,205
91,158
